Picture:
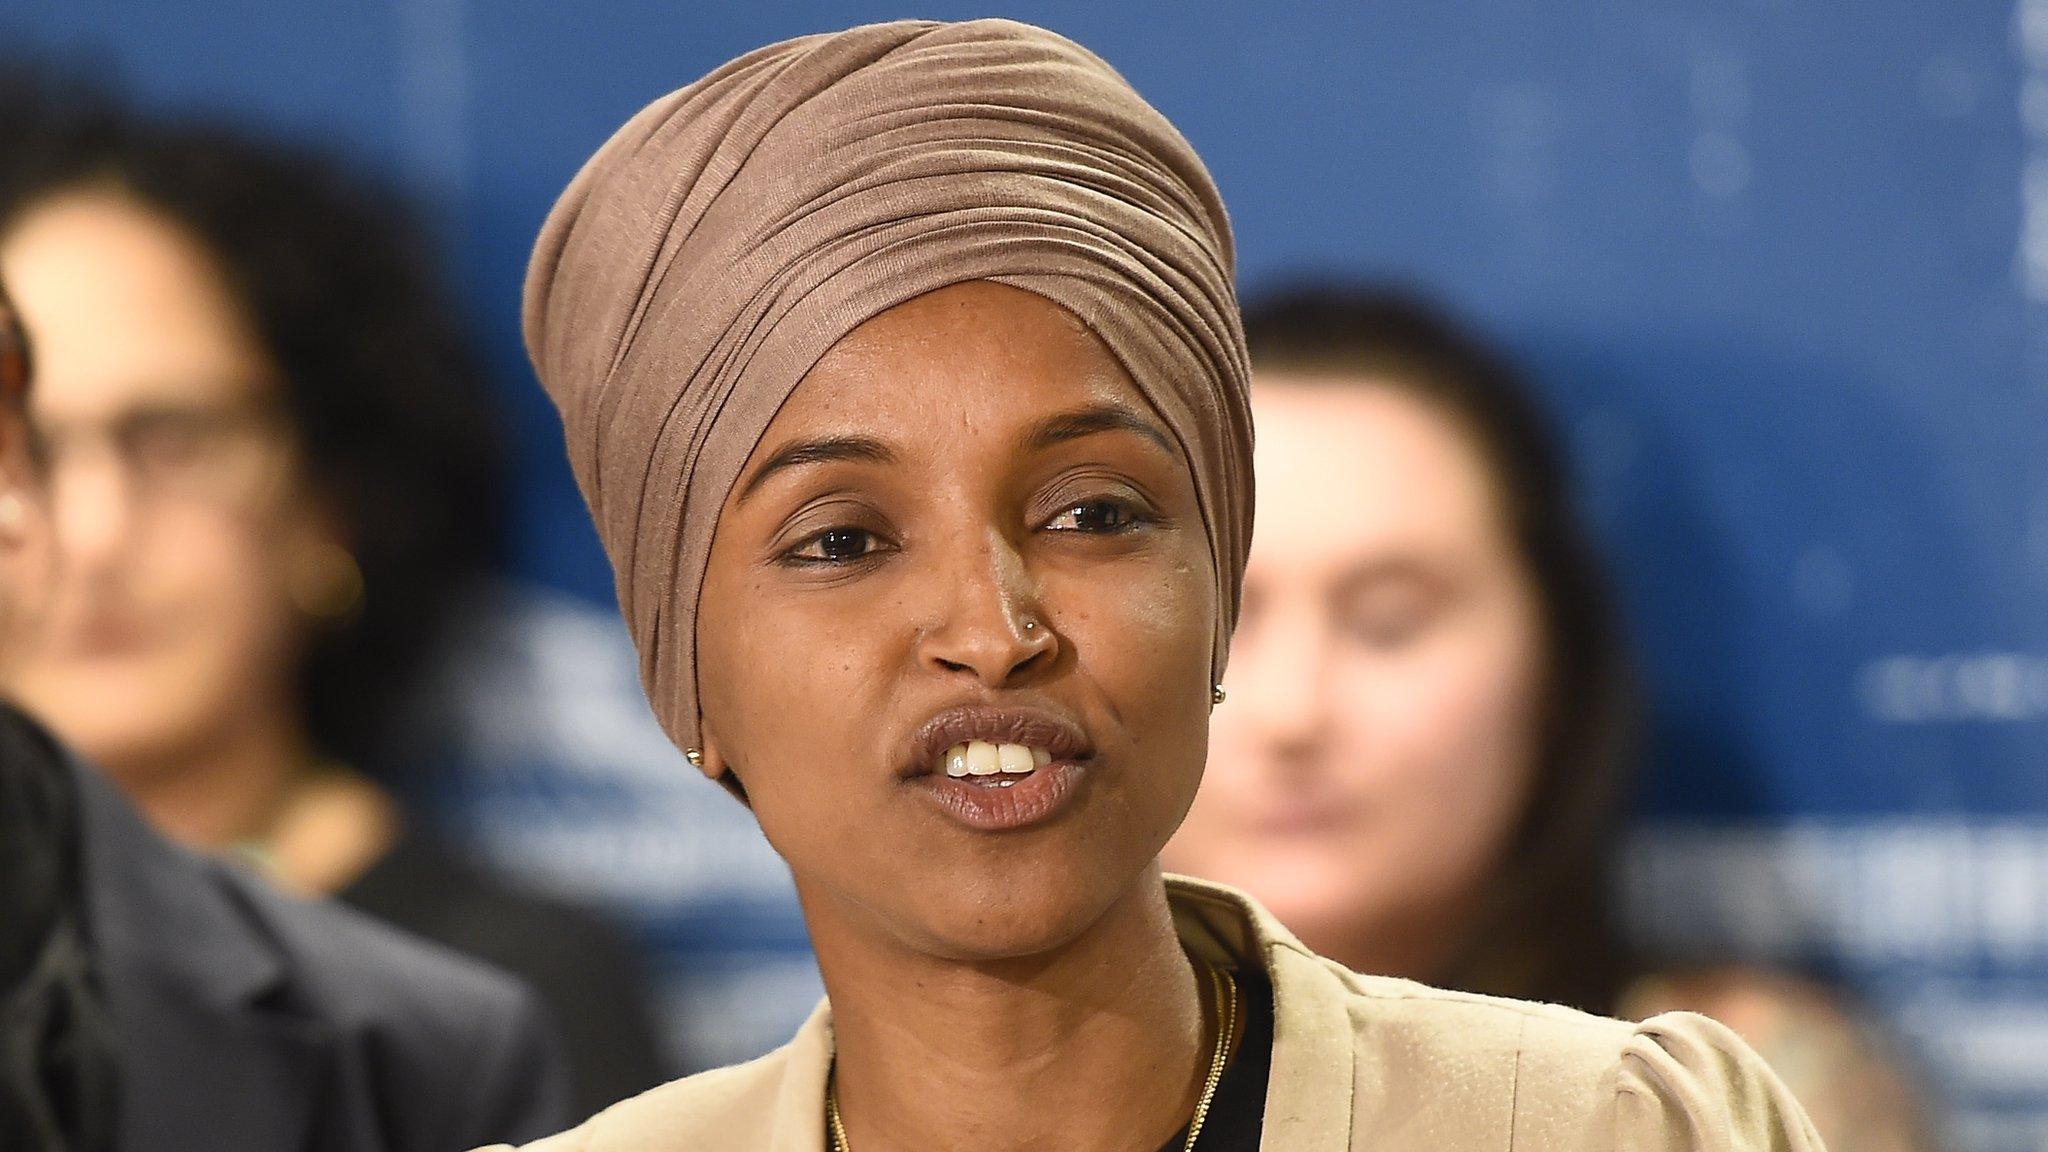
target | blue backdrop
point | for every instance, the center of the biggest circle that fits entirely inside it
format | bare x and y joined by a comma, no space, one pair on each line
1781,267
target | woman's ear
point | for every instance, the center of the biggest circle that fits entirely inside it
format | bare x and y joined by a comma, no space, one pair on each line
27,555
322,578
715,769
14,515
20,482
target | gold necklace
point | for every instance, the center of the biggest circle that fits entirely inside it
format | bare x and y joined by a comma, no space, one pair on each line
1221,985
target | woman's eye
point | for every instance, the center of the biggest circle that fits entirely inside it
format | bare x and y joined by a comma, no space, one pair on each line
169,442
1097,516
1388,629
1385,633
834,546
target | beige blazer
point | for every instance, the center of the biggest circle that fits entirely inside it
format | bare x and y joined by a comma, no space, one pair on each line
1359,1063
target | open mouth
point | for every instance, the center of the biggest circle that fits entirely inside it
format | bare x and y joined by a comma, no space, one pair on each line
999,768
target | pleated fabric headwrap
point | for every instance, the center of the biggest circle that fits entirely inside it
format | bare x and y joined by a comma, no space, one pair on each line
733,231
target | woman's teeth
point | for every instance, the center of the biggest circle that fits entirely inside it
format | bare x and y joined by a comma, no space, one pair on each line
981,758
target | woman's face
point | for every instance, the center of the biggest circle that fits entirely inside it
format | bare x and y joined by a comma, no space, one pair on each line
170,487
1375,752
965,526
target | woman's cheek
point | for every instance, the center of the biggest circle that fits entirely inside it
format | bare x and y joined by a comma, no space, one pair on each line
1445,723
1153,643
796,661
1148,630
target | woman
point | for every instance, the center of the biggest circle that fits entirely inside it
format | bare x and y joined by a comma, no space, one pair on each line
902,371
274,480
1432,714
150,1000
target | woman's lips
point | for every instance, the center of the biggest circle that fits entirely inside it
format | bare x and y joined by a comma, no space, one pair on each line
104,637
1305,816
997,767
1000,803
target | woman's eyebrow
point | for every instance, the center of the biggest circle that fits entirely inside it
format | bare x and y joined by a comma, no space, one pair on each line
1064,426
1386,571
830,448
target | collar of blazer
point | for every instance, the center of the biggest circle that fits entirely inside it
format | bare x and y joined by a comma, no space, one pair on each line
219,1046
1308,1102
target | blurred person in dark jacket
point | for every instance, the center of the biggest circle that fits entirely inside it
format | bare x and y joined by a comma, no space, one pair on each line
56,1048
151,1001
274,476
1429,742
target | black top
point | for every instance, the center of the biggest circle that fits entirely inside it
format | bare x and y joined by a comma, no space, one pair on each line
1238,1110
589,978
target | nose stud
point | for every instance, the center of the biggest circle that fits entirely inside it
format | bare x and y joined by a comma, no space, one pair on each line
695,757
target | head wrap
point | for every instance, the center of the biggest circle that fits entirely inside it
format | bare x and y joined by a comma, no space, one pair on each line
731,232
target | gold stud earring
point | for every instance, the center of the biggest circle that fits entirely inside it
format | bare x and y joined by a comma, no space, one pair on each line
695,757
1216,694
327,583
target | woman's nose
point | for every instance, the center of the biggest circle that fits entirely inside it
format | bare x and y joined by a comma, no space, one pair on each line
991,624
1280,681
92,501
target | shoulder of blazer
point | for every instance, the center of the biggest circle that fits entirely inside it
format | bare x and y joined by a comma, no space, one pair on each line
206,966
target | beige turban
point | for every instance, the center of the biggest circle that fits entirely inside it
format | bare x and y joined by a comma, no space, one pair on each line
726,237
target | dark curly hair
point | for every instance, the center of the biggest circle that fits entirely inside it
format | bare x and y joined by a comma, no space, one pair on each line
1550,931
386,390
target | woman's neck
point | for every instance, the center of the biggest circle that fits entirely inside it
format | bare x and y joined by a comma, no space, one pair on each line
257,786
1100,1047
224,787
1421,941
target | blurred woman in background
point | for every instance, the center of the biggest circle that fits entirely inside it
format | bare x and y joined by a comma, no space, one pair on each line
155,1001
274,475
1430,736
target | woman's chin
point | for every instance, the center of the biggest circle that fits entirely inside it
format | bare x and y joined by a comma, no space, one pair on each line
970,896
1008,915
